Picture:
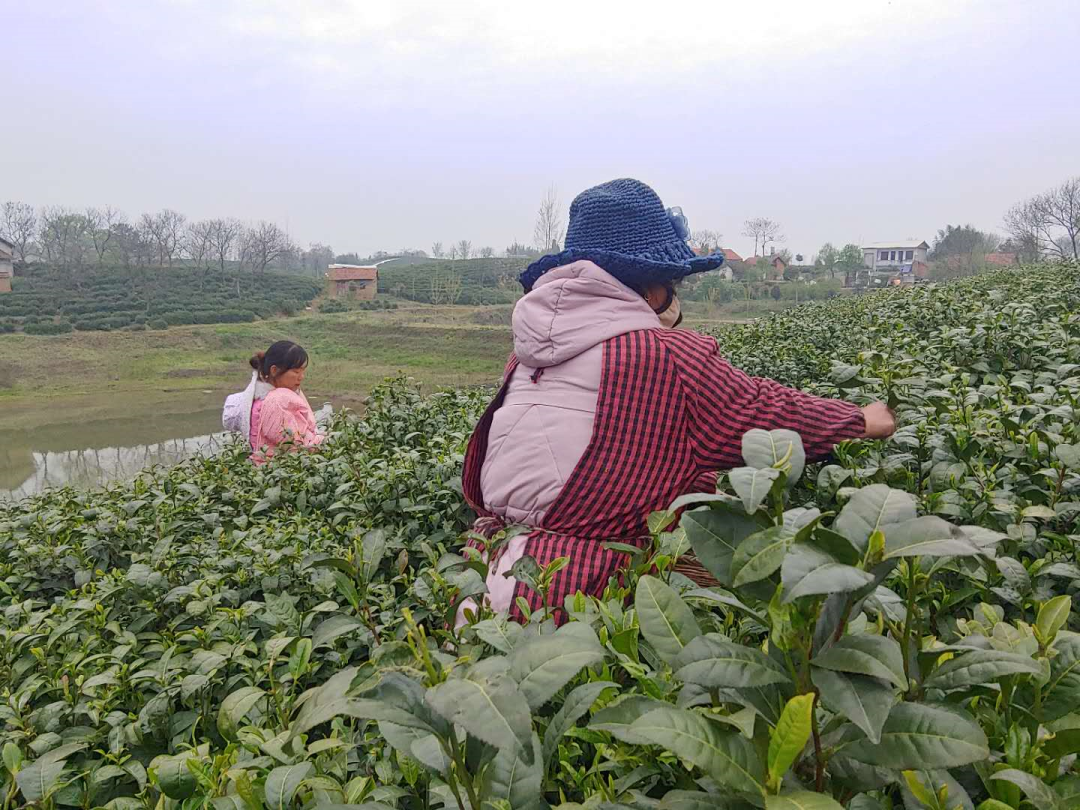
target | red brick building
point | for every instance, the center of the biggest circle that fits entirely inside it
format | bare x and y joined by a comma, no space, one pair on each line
773,266
353,280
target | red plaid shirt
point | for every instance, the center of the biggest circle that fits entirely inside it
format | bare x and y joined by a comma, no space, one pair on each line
670,413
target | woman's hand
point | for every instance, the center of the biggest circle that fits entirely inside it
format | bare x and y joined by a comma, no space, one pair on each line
880,421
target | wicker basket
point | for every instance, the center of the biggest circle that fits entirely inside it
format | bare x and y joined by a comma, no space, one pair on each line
689,567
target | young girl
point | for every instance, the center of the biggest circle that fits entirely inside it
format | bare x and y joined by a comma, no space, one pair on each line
283,414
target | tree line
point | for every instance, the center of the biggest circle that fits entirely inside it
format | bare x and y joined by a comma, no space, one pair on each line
1048,224
69,239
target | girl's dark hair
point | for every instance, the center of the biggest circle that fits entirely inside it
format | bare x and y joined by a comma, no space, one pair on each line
284,354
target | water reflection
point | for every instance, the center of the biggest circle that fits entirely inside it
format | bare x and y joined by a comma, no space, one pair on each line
94,452
90,467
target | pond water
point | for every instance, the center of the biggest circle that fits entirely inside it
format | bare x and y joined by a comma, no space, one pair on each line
99,451
92,452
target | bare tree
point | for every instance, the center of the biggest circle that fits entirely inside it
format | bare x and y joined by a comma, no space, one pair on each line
764,231
1047,224
102,223
487,252
705,240
317,258
19,226
264,244
1060,212
198,242
1024,224
224,239
453,253
548,230
464,249
437,250
165,231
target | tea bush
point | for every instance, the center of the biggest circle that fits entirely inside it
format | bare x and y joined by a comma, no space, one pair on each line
113,298
892,628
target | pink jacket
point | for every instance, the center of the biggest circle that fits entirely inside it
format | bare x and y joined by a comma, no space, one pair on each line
282,415
539,434
541,431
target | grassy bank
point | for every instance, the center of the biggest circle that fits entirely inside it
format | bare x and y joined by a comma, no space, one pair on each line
79,375
82,376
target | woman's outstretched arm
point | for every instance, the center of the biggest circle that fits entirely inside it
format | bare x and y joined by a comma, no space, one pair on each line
725,402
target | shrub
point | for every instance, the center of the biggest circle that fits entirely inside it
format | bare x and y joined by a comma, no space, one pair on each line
47,328
157,323
46,292
333,305
178,318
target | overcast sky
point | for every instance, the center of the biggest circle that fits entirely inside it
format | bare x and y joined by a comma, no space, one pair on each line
380,125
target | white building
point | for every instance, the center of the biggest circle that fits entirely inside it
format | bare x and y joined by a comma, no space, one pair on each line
896,257
7,254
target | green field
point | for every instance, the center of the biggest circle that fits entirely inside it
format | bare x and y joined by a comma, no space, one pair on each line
349,354
81,374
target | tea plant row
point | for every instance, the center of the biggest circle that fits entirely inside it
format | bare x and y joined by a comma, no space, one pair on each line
894,627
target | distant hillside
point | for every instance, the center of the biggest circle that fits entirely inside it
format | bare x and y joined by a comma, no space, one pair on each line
49,301
473,281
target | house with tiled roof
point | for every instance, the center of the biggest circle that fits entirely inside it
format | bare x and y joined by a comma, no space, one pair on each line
773,266
353,280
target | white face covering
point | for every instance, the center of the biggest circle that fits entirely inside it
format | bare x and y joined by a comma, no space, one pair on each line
671,317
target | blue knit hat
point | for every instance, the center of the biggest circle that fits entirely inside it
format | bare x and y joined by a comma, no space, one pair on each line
623,227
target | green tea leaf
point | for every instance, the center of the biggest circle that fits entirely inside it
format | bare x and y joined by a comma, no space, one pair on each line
577,703
726,756
1062,691
500,633
1052,617
665,620
980,666
927,537
876,656
373,549
39,779
760,554
753,486
489,705
790,736
173,775
542,666
714,534
618,719
873,508
333,627
714,662
923,736
235,708
515,779
863,700
283,782
771,448
809,571
1037,791
695,800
